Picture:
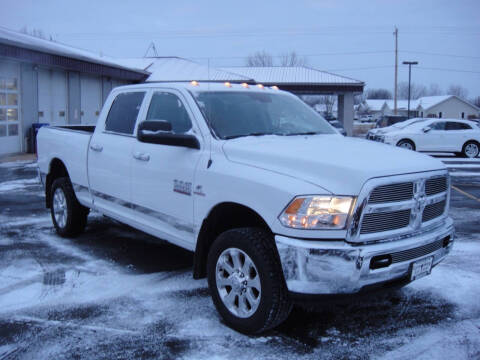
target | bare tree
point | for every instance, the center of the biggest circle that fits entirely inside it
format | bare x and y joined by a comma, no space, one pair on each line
416,90
434,90
458,90
328,101
260,59
37,33
378,94
293,59
476,101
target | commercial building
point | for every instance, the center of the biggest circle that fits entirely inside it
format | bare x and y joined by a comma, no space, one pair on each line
44,81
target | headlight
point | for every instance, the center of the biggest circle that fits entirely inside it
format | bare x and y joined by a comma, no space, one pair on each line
317,212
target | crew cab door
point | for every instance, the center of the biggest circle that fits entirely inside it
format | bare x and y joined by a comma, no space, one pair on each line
110,155
163,175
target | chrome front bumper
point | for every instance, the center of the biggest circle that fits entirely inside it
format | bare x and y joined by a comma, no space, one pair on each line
336,267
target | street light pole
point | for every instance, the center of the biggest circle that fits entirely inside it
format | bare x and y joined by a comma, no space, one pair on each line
409,63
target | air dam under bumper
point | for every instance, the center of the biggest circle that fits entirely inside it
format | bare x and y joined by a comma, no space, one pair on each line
336,267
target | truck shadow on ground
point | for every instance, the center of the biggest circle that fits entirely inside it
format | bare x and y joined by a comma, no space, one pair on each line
125,246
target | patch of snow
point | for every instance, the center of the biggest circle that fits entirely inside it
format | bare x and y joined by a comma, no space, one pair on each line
18,184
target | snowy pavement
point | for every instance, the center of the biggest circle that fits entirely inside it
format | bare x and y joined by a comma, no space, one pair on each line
114,293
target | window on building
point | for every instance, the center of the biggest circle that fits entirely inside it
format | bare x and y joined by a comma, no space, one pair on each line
9,125
168,107
440,114
123,112
463,115
451,125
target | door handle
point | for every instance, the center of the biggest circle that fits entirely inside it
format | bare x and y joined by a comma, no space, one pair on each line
141,156
96,147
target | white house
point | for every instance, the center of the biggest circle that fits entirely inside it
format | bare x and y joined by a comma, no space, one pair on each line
448,106
445,106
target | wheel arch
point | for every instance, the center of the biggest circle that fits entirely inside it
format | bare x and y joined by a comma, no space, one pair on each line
56,169
222,217
409,140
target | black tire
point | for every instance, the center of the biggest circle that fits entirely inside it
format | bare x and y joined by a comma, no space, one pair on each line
464,149
275,305
404,142
76,214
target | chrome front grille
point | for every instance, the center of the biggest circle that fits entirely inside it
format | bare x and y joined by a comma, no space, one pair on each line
400,208
377,222
433,211
391,193
435,185
417,252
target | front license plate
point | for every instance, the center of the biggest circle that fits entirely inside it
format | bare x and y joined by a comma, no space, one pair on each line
421,268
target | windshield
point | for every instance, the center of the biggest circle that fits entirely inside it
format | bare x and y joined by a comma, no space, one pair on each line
404,124
241,113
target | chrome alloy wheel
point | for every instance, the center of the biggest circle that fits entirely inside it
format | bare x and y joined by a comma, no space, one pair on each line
471,150
238,282
60,207
406,145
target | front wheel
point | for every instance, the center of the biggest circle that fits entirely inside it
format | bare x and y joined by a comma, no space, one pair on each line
471,149
68,215
406,144
246,280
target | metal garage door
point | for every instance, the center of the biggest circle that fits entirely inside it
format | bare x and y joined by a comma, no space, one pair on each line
10,131
91,98
52,96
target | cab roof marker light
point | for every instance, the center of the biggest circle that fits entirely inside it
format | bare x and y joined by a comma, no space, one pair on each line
194,83
260,86
227,84
245,85
274,87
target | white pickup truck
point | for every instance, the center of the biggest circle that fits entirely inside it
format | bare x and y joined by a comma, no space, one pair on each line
273,201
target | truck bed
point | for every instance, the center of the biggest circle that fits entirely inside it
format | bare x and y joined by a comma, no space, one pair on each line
85,128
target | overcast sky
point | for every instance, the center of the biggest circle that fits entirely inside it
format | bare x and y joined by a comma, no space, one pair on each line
352,38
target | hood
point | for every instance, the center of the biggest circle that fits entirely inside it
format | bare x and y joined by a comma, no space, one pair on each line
338,164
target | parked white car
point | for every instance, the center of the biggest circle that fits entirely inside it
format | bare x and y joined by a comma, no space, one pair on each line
274,203
372,133
461,137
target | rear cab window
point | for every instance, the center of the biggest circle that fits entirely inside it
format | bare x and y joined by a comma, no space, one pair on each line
123,112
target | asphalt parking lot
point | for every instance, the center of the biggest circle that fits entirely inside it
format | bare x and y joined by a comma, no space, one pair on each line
114,293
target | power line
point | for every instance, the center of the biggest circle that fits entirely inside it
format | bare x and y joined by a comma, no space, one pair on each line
453,70
440,54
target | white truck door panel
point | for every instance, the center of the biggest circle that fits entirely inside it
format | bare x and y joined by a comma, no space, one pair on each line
163,175
109,154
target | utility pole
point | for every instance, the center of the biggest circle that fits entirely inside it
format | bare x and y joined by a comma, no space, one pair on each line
395,33
409,63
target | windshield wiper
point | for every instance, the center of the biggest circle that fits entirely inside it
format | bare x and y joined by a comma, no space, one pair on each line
244,135
303,133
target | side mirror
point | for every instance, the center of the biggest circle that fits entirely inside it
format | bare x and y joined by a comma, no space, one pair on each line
426,129
160,132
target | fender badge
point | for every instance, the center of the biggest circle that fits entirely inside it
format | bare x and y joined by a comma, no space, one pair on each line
182,187
199,190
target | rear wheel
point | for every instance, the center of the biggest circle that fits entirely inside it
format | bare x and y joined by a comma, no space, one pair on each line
246,280
406,144
471,149
68,215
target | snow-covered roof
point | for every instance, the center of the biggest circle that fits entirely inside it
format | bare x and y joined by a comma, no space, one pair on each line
375,104
291,75
10,37
429,101
173,69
